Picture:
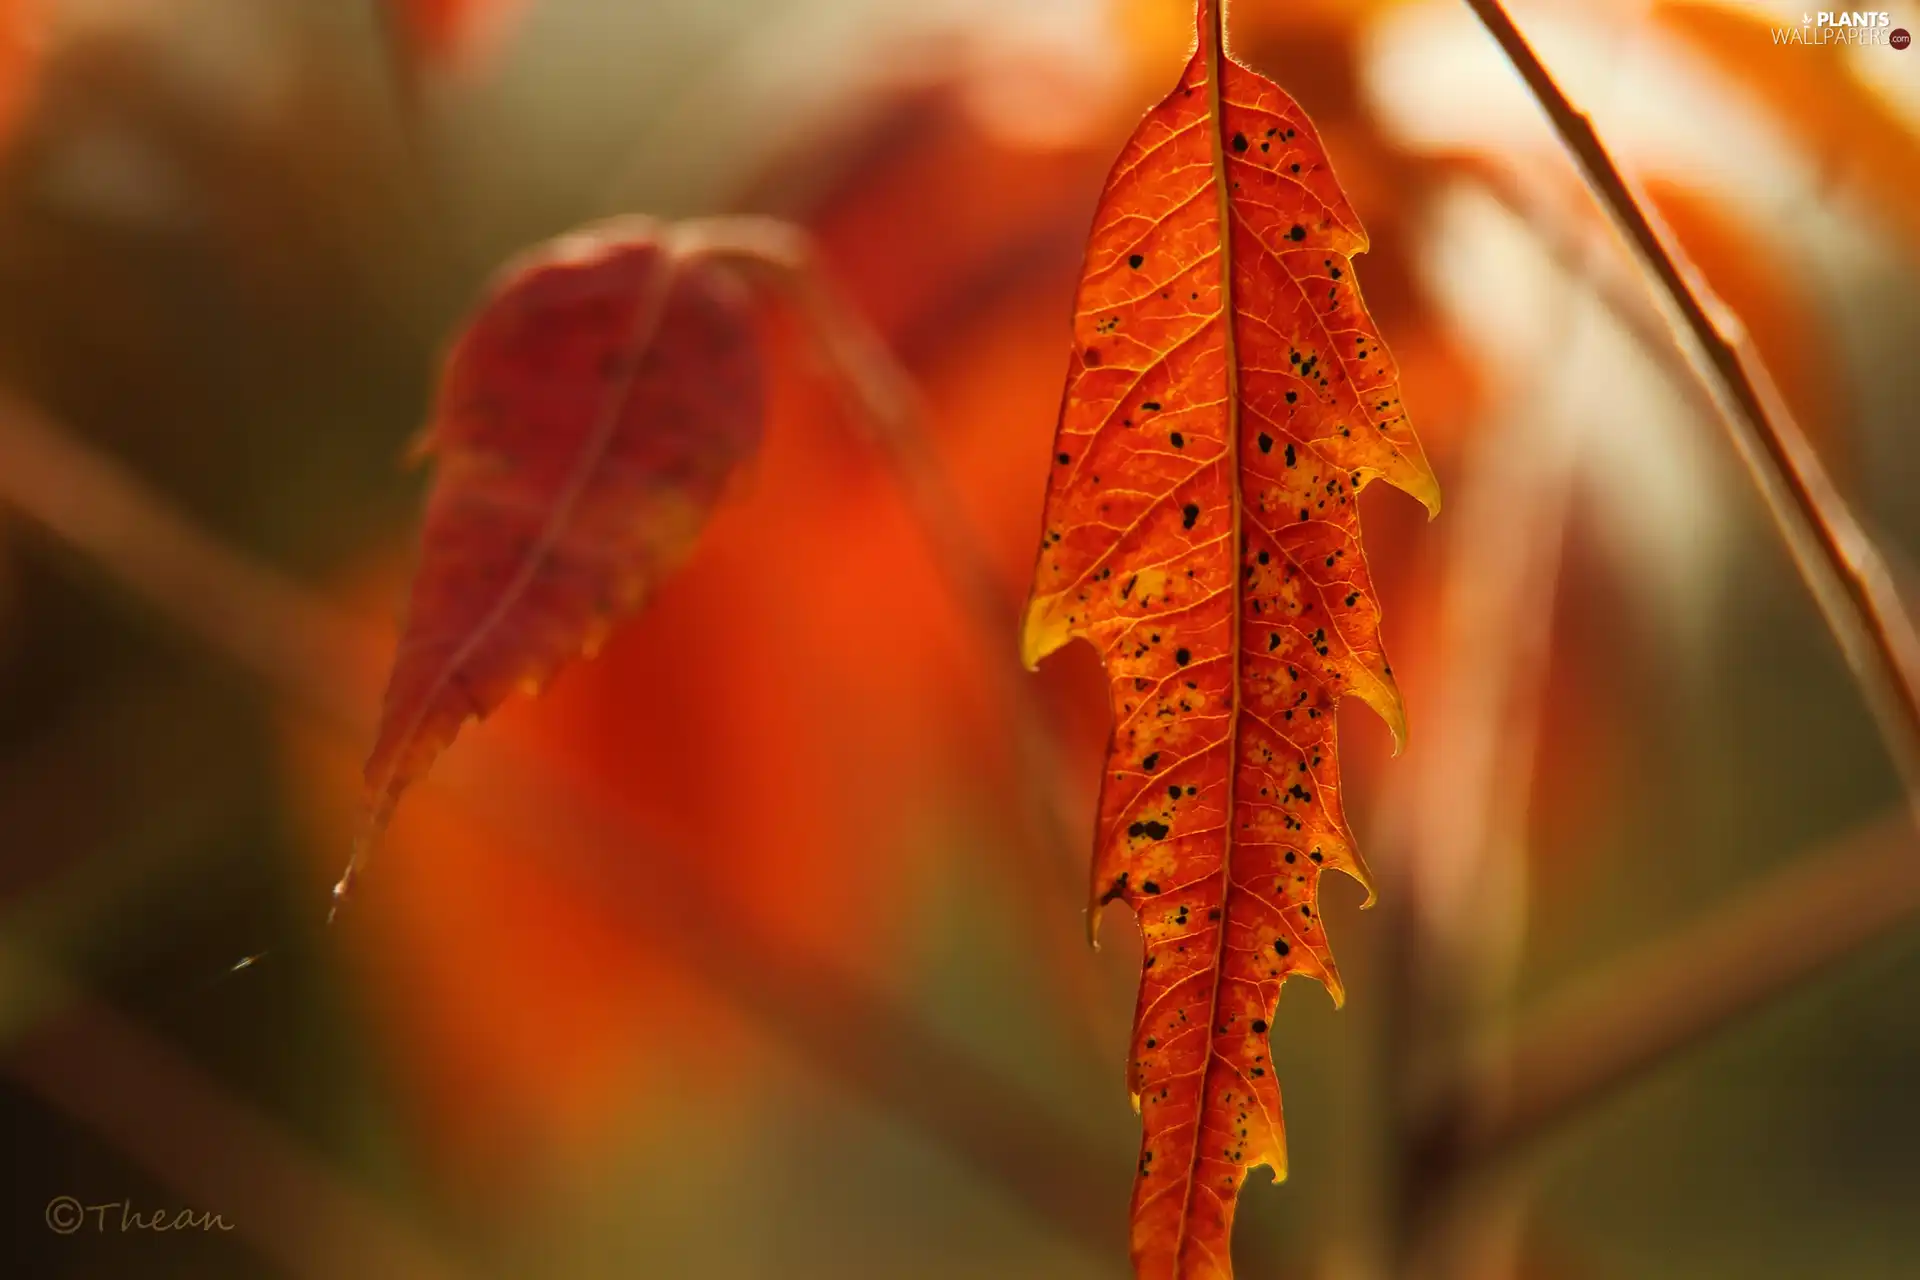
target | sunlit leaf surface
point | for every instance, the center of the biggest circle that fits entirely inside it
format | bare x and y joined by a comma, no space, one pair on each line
1228,399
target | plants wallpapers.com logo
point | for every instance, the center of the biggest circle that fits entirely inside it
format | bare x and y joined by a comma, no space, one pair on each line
1826,19
1845,27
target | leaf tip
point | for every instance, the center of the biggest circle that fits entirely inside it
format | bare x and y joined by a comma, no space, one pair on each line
1042,633
363,844
1383,695
1427,490
1335,987
1411,473
1364,877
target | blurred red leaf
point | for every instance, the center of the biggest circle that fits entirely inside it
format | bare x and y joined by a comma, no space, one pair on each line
443,33
1228,398
898,736
19,59
588,420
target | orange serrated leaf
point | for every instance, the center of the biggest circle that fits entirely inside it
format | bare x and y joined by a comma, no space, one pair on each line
1228,399
588,419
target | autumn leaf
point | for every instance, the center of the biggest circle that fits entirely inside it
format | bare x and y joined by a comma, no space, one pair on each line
1228,399
588,419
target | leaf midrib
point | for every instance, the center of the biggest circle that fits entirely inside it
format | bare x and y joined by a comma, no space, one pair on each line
649,311
1213,52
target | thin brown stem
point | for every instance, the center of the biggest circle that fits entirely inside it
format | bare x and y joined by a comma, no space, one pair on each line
1848,575
887,406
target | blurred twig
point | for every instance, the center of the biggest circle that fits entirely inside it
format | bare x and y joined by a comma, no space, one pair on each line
887,406
1464,872
229,603
397,57
56,903
865,1040
1845,570
1601,1032
158,1108
273,628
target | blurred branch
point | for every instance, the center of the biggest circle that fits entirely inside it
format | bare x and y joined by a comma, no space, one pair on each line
876,1049
882,1052
160,1110
1849,577
147,750
1603,1031
888,408
398,60
1466,805
227,602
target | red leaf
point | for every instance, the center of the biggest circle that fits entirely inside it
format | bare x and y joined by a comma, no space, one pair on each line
1228,398
21,38
588,420
441,33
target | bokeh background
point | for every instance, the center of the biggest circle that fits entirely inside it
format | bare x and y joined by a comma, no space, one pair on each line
740,953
